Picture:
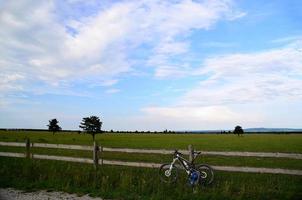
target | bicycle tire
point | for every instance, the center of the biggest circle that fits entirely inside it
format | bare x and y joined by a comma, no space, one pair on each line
164,176
208,173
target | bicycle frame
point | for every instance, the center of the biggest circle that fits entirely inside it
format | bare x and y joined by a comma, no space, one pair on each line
184,162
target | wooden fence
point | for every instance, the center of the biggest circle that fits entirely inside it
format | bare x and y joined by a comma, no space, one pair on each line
98,160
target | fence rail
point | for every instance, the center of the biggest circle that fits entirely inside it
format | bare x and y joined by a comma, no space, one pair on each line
13,144
155,165
62,146
158,151
97,150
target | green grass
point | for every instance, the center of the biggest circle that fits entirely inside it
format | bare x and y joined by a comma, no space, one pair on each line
139,183
252,142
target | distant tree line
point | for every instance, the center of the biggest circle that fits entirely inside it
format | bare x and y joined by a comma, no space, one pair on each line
143,132
151,132
237,131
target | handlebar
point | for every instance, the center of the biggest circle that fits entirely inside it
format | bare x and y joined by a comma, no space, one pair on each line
177,152
194,152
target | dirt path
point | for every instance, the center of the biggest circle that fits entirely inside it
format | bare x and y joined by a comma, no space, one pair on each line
12,194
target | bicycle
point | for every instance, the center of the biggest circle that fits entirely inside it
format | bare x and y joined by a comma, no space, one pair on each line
201,174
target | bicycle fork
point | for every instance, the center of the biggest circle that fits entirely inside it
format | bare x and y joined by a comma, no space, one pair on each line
168,172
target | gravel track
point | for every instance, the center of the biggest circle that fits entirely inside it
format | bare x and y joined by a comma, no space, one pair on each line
12,194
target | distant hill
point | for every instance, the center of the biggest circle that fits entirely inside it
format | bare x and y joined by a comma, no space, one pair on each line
272,130
250,130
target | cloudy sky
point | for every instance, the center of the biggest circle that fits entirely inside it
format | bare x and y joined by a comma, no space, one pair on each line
151,64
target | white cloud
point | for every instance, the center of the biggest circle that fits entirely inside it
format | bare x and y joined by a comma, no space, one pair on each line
172,71
10,82
287,39
186,118
204,114
172,48
97,33
179,20
239,78
241,88
112,91
109,82
35,42
237,15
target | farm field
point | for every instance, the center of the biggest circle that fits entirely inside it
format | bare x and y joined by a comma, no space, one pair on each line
290,143
142,183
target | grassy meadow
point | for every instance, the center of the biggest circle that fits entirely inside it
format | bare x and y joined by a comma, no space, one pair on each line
207,142
113,182
140,183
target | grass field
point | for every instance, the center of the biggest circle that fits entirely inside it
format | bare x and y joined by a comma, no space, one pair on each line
253,142
140,183
137,183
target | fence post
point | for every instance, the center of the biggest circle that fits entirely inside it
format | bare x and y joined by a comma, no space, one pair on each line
27,148
190,148
95,155
101,154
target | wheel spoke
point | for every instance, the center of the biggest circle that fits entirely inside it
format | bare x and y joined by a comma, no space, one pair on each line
206,174
168,174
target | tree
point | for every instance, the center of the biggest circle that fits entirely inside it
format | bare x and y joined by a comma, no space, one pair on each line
53,126
92,125
238,130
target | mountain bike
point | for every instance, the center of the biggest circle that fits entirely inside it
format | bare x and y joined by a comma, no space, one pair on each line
201,174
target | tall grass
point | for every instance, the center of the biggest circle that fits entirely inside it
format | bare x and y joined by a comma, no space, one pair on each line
139,183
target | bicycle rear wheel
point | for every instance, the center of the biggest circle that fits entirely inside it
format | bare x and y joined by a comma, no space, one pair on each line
206,174
167,173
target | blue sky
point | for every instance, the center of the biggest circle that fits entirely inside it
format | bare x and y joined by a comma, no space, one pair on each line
150,64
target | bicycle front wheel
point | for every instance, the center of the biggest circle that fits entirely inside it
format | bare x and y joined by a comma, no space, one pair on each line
206,174
168,173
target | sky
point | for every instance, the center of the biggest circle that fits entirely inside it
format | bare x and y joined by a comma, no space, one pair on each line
151,64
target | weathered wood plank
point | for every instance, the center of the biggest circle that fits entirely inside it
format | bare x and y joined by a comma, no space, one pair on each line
154,151
63,146
131,164
62,158
95,154
160,151
157,165
254,154
219,168
45,145
190,151
13,144
216,153
27,152
9,154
